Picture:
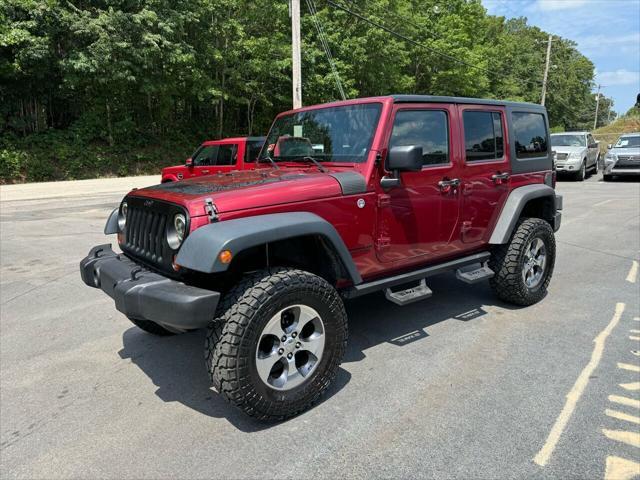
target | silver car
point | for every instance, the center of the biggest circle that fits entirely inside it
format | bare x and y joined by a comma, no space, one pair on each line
576,153
623,158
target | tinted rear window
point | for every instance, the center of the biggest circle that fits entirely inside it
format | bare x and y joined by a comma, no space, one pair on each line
531,135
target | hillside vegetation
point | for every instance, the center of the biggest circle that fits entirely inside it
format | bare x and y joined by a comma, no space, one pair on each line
625,124
118,87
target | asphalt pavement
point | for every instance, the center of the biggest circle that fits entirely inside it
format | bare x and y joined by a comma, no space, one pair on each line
457,386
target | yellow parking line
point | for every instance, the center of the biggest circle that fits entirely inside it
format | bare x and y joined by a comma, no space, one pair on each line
622,416
542,457
630,438
633,337
627,366
632,387
621,469
634,330
629,402
632,276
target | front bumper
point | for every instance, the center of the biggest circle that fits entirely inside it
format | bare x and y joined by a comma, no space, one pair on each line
610,169
144,295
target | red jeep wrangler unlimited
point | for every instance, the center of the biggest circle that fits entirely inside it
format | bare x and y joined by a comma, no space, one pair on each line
217,156
374,194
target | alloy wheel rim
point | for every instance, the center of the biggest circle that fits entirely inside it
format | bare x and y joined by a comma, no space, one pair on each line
290,347
535,261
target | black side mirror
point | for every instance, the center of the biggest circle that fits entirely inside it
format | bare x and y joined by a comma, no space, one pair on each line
407,158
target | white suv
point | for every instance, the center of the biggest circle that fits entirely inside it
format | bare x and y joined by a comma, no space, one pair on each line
576,153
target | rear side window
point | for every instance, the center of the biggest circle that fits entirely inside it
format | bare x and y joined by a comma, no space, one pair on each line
483,136
428,129
530,134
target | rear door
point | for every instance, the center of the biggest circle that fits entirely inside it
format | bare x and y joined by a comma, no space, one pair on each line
485,171
417,220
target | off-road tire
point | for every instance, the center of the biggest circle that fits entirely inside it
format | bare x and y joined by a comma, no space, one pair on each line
152,327
507,262
232,339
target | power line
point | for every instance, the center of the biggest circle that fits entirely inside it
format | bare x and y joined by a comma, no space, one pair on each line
407,39
325,45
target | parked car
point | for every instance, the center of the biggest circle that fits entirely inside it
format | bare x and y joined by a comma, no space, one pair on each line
215,156
576,153
623,158
365,195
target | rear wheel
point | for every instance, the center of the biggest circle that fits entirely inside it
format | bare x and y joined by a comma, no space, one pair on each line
274,351
524,266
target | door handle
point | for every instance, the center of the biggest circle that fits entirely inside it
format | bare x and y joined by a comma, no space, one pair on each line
498,178
447,185
204,171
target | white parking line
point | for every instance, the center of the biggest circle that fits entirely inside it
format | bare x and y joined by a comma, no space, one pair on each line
622,416
542,457
632,276
628,366
604,202
629,402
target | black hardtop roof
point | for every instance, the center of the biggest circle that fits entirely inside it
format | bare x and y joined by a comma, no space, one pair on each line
466,100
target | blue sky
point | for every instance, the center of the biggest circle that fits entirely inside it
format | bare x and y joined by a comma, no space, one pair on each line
606,31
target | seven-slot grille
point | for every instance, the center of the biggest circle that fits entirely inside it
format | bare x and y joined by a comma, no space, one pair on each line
145,233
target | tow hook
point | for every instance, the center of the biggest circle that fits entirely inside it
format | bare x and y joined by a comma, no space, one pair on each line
210,210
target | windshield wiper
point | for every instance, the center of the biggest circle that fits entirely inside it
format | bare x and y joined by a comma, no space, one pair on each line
315,162
271,160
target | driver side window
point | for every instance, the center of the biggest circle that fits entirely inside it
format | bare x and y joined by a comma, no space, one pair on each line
206,156
428,129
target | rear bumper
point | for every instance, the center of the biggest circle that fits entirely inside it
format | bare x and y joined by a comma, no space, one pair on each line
145,295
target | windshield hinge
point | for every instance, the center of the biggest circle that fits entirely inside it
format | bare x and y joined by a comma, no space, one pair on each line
211,210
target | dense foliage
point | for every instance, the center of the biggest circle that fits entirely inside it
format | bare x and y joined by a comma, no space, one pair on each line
97,87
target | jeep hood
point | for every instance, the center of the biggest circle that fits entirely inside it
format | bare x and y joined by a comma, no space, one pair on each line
247,189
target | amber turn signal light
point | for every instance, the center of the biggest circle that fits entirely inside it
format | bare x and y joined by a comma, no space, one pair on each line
225,256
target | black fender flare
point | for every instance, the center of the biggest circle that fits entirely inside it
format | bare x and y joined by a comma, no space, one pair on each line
201,249
512,209
112,223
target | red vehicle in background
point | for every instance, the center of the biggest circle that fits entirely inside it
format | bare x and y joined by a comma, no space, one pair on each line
217,156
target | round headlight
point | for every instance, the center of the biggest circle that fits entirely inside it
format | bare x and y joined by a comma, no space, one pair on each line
177,231
122,217
180,224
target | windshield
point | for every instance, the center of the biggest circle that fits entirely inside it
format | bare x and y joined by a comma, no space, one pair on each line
628,142
568,141
332,134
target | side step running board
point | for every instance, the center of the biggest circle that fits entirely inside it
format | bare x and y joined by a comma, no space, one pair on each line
409,295
474,273
416,275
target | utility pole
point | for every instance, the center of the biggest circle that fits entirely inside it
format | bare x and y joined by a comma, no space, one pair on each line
595,120
546,70
295,53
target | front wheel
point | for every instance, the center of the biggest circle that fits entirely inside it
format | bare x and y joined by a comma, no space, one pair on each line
277,347
582,173
524,266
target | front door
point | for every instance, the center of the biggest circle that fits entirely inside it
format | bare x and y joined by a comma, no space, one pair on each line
417,219
485,171
219,157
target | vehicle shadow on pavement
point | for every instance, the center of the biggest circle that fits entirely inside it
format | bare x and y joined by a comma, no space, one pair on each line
176,366
374,320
